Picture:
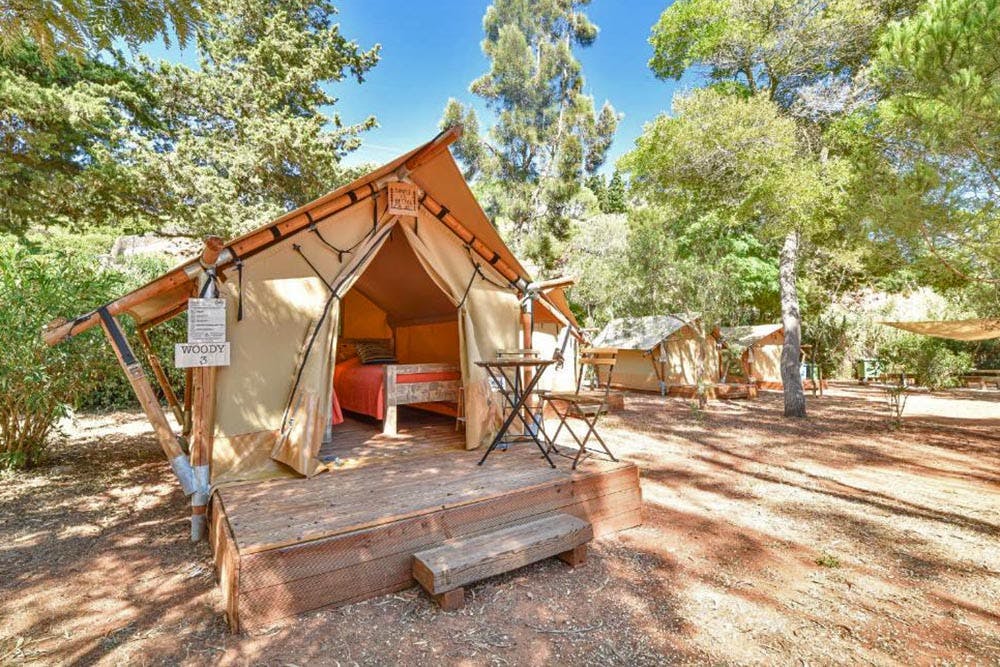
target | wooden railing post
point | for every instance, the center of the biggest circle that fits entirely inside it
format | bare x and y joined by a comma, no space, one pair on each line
147,398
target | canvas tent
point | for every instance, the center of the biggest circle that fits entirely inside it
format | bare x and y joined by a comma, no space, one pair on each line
657,352
759,350
442,282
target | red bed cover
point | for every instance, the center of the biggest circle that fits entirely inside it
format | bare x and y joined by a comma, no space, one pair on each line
361,387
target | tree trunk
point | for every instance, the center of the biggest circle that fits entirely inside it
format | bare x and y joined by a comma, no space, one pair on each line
791,351
701,387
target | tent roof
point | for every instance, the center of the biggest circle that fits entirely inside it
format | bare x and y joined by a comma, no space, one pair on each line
745,336
638,333
431,166
554,301
969,330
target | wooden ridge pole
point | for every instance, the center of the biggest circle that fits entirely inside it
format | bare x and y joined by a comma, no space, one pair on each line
203,404
468,238
144,392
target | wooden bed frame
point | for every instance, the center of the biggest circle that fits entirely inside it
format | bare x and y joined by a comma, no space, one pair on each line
415,392
408,393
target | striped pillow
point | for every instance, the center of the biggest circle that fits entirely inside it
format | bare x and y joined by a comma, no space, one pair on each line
375,353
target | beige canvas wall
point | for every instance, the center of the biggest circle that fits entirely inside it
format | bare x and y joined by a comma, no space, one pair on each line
634,370
545,339
283,301
767,358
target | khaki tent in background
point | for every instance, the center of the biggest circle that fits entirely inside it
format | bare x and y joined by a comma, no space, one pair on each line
759,350
285,286
658,352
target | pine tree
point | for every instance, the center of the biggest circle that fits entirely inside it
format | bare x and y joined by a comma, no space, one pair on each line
938,134
84,27
248,134
548,135
595,183
69,132
616,194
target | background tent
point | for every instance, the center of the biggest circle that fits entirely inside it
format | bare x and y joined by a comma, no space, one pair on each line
758,348
657,352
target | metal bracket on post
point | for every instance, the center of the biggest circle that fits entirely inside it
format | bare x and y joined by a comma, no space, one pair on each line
185,474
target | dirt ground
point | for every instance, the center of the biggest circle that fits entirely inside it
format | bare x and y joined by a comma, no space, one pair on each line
837,539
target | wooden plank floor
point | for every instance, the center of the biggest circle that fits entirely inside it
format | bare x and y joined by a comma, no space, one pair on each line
294,545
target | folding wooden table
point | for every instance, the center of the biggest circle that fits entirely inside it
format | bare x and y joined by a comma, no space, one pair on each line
506,373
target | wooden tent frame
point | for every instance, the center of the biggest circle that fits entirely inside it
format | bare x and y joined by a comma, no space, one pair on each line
191,464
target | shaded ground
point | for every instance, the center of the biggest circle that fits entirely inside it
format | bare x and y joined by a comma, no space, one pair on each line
836,539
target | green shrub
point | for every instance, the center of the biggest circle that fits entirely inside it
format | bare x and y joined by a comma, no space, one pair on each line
38,384
936,363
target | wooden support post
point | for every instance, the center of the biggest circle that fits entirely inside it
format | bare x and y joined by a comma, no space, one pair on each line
202,437
390,416
527,326
147,398
188,400
452,600
575,557
203,406
161,376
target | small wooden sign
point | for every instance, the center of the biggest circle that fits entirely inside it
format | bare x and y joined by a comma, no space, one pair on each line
192,355
404,199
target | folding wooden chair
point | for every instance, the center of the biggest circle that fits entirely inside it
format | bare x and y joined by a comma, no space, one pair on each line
586,404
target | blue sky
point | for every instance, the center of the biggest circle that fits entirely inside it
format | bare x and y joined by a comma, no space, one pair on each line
431,52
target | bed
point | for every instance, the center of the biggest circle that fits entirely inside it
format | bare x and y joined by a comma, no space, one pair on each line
377,390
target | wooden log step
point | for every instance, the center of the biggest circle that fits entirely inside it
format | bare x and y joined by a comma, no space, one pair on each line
461,561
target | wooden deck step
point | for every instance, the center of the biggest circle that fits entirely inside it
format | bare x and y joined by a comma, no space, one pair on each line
445,569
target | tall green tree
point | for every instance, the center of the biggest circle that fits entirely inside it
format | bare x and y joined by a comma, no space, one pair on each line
548,135
70,129
803,59
616,195
938,132
94,140
248,134
82,27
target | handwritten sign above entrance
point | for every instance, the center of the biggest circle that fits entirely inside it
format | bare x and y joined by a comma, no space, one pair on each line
404,199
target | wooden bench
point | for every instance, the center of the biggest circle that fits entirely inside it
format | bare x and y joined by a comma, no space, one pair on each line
445,569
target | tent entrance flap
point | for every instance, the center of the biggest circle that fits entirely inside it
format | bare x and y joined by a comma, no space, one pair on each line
310,402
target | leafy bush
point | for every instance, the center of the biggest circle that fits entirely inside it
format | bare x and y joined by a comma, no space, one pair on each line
38,384
936,363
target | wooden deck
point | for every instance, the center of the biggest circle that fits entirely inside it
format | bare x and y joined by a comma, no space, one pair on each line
289,546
